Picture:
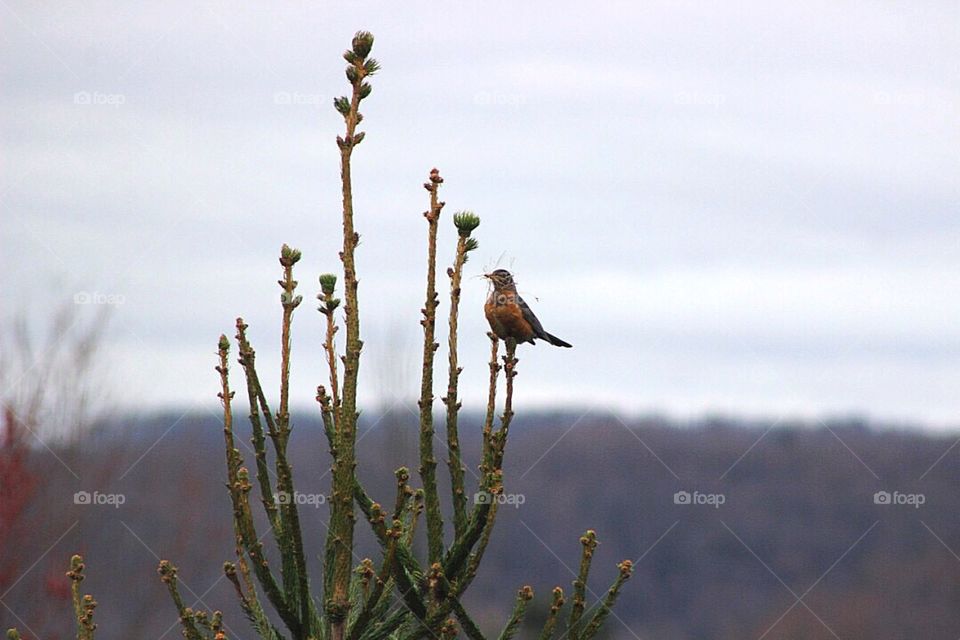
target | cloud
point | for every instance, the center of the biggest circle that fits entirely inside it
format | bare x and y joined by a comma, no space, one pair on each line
758,201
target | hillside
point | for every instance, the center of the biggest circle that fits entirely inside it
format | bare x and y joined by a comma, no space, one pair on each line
797,519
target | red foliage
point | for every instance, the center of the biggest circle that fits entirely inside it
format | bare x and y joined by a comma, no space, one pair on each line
17,485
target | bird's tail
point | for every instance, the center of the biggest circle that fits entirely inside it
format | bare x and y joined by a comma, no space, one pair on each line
555,341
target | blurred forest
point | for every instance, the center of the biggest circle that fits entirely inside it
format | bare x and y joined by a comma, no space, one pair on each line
798,549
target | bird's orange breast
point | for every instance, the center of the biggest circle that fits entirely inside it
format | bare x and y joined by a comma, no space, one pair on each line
506,318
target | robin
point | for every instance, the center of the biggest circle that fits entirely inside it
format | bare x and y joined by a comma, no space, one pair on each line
509,316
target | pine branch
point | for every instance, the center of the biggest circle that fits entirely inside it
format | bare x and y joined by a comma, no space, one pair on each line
246,592
342,519
473,564
282,599
524,596
387,626
554,615
456,561
406,569
258,559
328,282
448,631
499,439
486,465
197,625
456,557
470,627
484,515
416,510
466,222
83,605
249,601
328,416
596,621
234,458
481,520
247,360
428,463
296,583
589,543
386,570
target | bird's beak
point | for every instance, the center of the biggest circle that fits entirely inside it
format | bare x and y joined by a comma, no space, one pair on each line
488,276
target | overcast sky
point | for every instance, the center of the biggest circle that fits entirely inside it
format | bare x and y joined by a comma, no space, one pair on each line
745,208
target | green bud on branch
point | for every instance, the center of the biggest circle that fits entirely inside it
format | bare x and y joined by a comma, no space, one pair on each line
362,44
466,222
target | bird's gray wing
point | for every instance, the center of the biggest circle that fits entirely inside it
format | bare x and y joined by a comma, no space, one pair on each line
529,316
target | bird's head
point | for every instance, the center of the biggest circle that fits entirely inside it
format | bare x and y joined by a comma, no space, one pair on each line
500,278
